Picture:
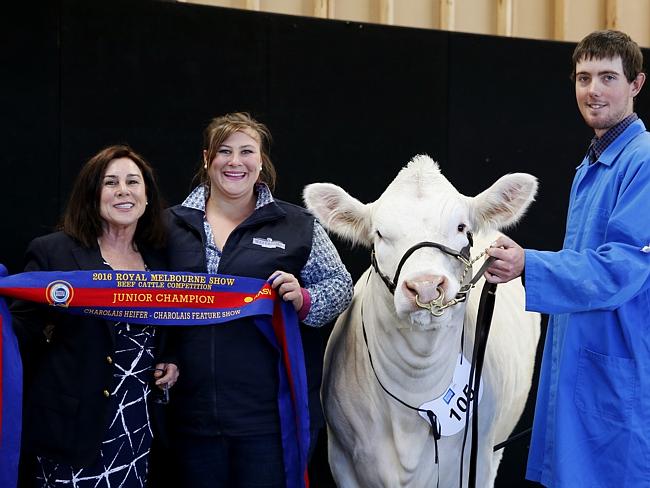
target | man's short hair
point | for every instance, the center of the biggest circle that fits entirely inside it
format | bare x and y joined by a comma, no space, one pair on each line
608,44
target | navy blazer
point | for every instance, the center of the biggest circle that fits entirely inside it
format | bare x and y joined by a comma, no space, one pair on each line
67,360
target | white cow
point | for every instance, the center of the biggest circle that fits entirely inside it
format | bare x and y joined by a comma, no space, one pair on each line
374,441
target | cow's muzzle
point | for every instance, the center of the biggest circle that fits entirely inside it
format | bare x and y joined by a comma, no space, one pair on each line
437,305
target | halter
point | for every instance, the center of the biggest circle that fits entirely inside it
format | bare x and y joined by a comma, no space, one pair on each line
437,305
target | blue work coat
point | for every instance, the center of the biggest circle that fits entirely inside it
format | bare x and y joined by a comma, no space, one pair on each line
592,416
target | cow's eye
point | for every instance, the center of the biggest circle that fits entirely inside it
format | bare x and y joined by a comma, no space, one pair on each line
461,227
379,234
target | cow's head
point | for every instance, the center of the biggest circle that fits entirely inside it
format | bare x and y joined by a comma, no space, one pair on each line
421,205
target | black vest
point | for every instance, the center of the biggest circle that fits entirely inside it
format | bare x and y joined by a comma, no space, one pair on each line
229,373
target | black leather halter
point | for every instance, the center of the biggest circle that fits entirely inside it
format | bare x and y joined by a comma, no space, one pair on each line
438,306
462,256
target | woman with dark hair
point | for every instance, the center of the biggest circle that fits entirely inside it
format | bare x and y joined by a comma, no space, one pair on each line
225,407
86,419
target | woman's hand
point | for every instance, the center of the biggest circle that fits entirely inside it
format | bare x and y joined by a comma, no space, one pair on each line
165,374
287,287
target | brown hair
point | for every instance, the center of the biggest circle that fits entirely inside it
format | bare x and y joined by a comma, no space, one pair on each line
608,44
81,218
220,128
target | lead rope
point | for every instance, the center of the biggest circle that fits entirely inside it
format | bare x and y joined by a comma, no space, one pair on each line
483,323
512,438
433,419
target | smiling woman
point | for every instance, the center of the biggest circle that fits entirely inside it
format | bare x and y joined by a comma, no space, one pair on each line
236,166
226,413
123,197
82,373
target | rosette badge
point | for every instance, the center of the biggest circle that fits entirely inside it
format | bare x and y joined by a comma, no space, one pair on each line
59,293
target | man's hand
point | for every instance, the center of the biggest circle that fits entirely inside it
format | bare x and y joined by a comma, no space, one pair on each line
509,261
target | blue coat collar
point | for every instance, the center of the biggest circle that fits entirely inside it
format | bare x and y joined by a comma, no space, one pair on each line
609,155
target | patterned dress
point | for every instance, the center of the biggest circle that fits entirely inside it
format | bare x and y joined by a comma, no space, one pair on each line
122,461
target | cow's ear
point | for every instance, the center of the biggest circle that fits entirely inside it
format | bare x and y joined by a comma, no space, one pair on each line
339,212
505,202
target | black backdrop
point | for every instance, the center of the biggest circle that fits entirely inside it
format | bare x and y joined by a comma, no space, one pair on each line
347,103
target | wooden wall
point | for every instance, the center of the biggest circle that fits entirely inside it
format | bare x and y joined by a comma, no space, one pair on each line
561,20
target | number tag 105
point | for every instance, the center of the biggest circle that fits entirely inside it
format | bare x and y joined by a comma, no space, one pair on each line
451,407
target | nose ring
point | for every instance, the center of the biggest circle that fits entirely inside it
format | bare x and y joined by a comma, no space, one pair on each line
435,306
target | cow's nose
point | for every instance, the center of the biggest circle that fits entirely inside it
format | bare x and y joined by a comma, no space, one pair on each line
426,288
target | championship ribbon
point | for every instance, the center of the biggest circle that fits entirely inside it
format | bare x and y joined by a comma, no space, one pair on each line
163,299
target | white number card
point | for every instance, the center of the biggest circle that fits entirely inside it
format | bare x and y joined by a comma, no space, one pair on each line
451,407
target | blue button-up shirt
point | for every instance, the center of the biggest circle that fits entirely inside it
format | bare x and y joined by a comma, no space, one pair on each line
592,420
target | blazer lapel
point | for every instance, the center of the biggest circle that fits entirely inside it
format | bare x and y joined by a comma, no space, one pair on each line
154,259
88,258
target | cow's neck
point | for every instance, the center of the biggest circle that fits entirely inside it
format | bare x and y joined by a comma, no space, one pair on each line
416,364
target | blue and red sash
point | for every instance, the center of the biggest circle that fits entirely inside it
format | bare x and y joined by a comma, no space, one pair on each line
11,384
160,298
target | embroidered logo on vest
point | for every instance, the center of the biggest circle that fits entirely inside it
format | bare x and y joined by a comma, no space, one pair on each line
268,243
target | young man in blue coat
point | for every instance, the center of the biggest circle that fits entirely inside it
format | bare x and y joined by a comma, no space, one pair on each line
591,424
